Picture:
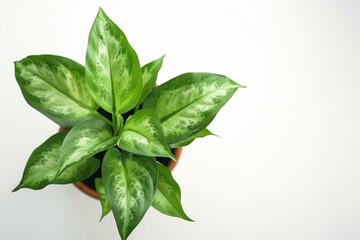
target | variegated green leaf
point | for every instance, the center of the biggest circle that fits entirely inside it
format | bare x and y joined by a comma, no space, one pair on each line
55,86
85,140
168,196
105,206
203,133
130,184
149,76
43,165
188,103
142,134
113,73
78,171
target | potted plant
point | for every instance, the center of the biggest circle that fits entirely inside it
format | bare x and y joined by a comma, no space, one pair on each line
143,123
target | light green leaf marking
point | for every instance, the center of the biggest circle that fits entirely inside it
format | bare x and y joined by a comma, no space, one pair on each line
105,206
55,86
85,140
188,103
143,135
43,165
203,133
149,76
130,184
168,196
113,73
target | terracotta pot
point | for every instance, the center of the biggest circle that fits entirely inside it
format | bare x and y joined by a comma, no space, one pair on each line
92,192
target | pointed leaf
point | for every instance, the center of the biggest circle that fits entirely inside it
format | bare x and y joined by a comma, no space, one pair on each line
85,140
149,76
113,73
143,135
105,206
55,86
43,165
130,184
188,103
168,196
203,133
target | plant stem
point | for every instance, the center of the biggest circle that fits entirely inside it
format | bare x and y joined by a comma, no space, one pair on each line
115,124
117,121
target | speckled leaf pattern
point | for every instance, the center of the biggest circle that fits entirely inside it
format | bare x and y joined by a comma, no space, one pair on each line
105,205
149,76
142,134
85,140
43,165
130,184
188,103
203,133
55,86
168,196
113,73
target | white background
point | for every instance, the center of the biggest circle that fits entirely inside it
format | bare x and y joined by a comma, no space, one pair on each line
287,163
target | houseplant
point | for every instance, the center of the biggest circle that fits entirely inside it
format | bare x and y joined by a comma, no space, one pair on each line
144,123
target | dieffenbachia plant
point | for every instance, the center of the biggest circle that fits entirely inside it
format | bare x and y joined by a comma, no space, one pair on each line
145,123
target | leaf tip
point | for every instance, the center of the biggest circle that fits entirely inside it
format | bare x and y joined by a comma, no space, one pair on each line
241,86
124,234
186,217
171,156
101,13
17,188
16,65
215,135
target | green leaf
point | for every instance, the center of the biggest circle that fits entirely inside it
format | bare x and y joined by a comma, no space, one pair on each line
203,133
188,103
130,184
168,196
142,134
105,206
85,140
112,72
43,165
55,86
149,76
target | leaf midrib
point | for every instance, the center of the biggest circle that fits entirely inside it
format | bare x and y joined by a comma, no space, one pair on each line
110,71
82,158
122,45
167,117
96,146
63,93
137,132
125,176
